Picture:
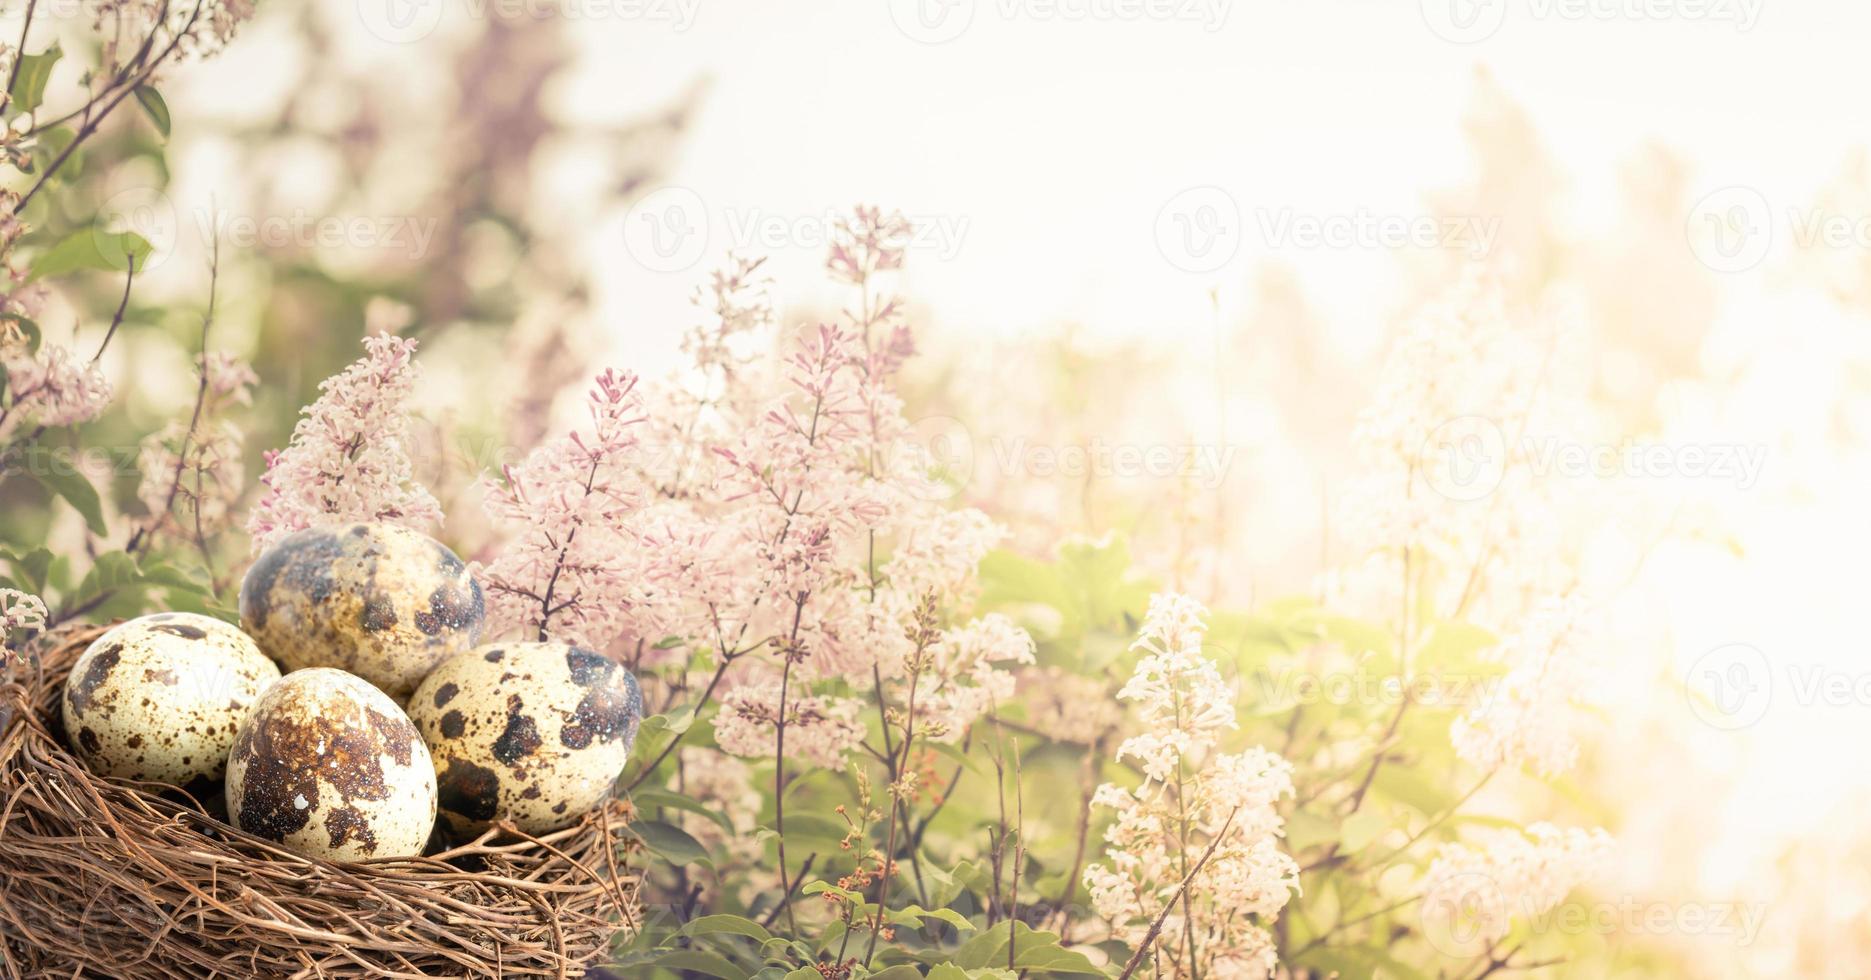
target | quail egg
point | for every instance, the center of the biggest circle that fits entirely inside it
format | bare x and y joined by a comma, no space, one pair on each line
535,733
330,767
381,601
159,698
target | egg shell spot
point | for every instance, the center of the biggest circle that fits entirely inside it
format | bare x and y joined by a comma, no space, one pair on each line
535,733
381,601
329,767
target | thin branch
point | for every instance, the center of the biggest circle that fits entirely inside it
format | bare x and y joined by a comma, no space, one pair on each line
1156,928
19,50
123,304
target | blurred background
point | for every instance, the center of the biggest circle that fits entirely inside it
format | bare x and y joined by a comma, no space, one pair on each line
1162,248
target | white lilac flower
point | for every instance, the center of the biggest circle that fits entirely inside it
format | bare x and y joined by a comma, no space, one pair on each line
1195,803
1530,716
1476,891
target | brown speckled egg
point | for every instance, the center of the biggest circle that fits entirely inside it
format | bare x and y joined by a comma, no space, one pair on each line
330,767
378,600
159,698
534,733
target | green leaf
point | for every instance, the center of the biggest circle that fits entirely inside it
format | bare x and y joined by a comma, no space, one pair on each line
700,961
34,568
949,971
902,971
914,914
51,145
170,577
92,248
1305,830
954,753
1039,951
670,842
154,107
1405,785
35,70
650,798
815,832
714,925
183,600
822,887
1362,828
77,491
111,572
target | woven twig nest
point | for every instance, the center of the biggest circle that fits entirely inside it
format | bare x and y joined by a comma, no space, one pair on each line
108,879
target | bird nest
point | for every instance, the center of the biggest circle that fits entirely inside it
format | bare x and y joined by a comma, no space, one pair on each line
107,878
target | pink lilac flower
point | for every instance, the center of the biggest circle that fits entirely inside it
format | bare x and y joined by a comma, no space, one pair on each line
52,388
866,243
349,459
576,566
819,729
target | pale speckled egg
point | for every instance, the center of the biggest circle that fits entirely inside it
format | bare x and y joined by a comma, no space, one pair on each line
535,733
329,767
159,698
381,601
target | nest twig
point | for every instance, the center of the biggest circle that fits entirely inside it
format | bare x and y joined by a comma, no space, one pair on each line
105,878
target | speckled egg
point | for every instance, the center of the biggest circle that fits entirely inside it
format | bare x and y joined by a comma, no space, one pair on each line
159,698
535,733
378,600
329,767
